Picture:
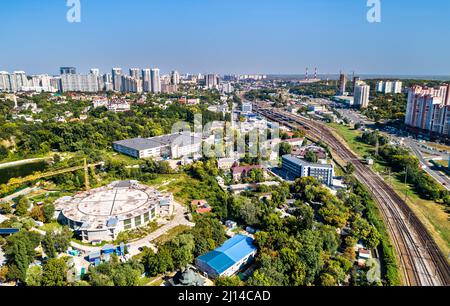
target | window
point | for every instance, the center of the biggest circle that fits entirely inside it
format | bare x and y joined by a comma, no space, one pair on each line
137,221
146,217
127,224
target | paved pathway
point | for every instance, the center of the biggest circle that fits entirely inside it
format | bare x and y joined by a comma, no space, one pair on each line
19,193
22,162
2,257
178,219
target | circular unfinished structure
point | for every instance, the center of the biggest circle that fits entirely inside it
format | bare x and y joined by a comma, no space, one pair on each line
101,214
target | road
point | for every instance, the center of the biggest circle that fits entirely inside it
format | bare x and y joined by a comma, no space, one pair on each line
431,169
412,144
22,162
19,193
420,260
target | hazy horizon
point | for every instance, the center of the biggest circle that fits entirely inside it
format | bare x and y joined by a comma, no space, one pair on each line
228,37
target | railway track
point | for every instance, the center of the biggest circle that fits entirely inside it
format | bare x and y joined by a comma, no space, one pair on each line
421,261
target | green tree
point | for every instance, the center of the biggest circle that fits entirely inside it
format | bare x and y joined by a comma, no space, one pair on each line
182,247
311,157
350,168
373,238
285,148
34,276
6,208
126,275
208,234
20,253
54,272
228,281
327,280
250,213
48,211
100,280
22,206
56,242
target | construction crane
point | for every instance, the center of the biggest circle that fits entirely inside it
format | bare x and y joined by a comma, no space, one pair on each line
37,176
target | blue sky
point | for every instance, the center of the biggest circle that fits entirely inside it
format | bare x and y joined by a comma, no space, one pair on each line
228,36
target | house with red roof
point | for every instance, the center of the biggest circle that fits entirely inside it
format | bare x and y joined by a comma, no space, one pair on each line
241,172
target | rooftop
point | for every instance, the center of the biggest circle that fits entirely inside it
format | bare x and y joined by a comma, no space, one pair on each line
303,162
231,252
104,207
242,169
140,144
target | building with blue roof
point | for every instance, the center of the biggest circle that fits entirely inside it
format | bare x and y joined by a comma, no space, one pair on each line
8,231
229,258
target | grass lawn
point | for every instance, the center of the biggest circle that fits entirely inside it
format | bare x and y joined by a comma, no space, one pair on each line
438,146
122,157
169,235
182,186
157,283
351,137
432,214
50,227
143,281
443,162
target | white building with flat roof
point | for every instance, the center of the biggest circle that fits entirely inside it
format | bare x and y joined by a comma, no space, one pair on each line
173,145
361,96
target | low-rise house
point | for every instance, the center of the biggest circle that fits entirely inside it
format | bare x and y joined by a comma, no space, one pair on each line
242,172
230,224
226,163
298,142
188,277
363,256
319,151
202,206
118,106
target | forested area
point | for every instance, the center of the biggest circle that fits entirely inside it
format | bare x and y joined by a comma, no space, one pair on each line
97,132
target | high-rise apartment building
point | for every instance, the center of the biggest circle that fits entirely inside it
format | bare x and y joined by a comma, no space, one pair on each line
117,79
131,84
79,83
146,80
212,81
175,78
95,71
428,109
4,81
361,94
68,70
135,73
17,80
388,87
342,84
397,87
155,80
380,86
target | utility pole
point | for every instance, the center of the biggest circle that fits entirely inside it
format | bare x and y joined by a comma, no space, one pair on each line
406,185
86,176
377,146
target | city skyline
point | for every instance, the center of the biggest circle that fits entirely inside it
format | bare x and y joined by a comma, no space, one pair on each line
232,37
